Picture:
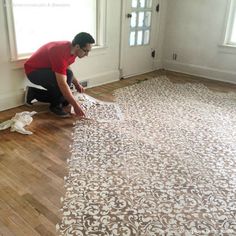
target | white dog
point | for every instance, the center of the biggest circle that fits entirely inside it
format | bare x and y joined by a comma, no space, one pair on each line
18,122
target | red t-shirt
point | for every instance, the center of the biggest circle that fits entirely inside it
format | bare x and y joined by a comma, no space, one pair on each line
54,55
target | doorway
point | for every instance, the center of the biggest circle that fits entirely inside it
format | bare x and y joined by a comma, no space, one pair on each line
140,20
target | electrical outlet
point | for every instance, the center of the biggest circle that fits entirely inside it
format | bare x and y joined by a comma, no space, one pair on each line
174,56
84,83
153,54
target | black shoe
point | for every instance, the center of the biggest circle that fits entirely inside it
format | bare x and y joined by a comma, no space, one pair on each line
65,103
57,110
29,96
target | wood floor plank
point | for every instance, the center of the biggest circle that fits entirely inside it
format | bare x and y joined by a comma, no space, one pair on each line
42,209
15,222
46,226
4,230
20,206
43,231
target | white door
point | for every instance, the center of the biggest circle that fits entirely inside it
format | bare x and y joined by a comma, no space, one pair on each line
139,36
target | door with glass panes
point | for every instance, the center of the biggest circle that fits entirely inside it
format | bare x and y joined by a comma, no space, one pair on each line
139,36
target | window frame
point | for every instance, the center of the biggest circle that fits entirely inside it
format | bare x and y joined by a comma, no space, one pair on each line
225,46
100,29
230,16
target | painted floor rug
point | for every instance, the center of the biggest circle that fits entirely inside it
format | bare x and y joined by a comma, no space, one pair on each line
159,161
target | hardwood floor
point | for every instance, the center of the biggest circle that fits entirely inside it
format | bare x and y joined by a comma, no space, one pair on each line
32,168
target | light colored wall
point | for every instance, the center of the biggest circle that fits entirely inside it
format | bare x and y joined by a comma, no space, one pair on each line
160,33
11,81
100,67
193,30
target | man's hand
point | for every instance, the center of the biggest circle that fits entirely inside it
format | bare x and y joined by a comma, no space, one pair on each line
66,92
78,111
79,87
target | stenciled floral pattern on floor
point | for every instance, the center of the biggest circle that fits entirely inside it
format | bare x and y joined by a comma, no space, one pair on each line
159,161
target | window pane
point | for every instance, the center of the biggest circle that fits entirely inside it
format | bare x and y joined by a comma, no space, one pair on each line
43,21
142,3
146,36
140,37
148,19
141,19
132,38
233,35
134,3
133,22
149,3
230,34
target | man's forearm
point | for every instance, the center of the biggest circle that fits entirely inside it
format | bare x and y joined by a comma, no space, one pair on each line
66,92
75,81
65,89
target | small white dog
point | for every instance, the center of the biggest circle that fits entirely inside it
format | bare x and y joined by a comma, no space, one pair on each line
18,122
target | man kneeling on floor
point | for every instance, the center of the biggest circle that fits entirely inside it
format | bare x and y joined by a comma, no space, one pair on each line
49,68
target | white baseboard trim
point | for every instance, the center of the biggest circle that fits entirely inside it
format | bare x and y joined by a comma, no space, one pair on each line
201,71
156,66
102,78
136,74
16,98
11,99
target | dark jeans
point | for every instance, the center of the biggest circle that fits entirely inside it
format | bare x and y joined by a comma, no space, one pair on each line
47,79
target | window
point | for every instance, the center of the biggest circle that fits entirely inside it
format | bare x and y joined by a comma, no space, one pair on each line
140,23
33,23
230,31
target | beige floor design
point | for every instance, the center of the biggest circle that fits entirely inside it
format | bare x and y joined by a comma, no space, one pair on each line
167,166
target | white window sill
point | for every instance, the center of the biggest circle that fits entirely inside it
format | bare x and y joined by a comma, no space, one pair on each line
228,49
19,62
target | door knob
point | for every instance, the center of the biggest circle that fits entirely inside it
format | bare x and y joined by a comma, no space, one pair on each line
129,15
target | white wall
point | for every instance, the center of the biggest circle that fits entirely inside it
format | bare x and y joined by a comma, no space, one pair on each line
100,67
161,34
194,30
11,81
